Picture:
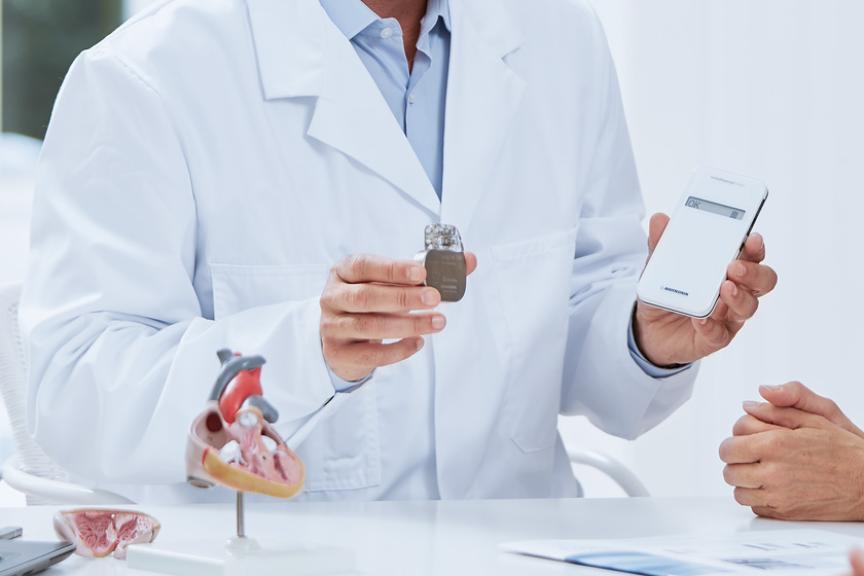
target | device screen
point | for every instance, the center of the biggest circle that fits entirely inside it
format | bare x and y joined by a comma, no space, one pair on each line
715,208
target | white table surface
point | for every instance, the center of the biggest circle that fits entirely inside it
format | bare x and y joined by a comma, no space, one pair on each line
440,538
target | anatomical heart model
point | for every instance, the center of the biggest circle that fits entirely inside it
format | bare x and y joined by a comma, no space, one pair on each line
233,444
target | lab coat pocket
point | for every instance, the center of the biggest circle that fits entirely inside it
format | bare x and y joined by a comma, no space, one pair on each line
341,453
533,278
240,287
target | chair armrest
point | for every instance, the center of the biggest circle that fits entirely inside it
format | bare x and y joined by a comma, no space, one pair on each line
614,469
54,491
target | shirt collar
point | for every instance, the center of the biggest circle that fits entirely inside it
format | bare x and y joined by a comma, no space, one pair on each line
350,16
437,9
353,16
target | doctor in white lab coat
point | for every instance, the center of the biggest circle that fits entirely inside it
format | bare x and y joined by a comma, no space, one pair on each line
208,172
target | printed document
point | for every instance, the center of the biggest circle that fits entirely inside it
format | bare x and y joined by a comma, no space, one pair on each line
769,553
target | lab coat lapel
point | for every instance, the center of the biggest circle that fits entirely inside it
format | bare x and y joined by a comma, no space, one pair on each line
484,95
301,53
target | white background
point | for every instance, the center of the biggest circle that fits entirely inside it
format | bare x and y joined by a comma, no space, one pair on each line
773,89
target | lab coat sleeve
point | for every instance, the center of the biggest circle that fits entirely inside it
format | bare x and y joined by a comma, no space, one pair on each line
602,380
121,359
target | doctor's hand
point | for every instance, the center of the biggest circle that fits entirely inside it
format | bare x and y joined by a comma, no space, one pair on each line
668,339
369,299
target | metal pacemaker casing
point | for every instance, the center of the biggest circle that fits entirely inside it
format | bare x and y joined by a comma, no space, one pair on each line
444,260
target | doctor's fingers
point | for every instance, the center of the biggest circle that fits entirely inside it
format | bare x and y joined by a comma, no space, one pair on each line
362,268
714,330
742,304
380,326
757,278
470,263
370,355
360,298
754,248
656,227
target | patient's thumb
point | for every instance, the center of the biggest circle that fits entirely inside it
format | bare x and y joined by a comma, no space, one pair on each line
796,395
784,395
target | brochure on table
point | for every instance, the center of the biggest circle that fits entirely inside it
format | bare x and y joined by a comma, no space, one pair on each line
769,553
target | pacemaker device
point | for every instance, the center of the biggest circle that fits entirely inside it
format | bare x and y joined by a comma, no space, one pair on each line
444,259
706,233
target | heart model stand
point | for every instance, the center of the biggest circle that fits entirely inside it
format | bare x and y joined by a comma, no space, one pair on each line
211,460
240,556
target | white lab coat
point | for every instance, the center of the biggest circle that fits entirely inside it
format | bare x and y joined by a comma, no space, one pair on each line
210,161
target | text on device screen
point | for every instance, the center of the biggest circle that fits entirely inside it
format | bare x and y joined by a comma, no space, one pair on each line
715,208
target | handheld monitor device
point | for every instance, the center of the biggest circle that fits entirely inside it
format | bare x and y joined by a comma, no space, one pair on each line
706,233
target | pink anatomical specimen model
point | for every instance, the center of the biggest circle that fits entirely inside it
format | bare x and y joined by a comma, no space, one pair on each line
97,532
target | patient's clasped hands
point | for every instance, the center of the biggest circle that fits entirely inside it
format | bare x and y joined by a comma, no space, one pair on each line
796,457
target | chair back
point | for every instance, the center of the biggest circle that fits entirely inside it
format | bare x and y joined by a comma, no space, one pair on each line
13,390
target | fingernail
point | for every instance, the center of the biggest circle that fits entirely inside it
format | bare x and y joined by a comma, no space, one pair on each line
415,273
739,270
750,405
734,290
703,321
429,297
418,345
758,237
771,388
438,322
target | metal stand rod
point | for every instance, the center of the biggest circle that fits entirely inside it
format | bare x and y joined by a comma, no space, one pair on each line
241,516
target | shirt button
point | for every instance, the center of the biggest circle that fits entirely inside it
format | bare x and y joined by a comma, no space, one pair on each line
386,33
412,97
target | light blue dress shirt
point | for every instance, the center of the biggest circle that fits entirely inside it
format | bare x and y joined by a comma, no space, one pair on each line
417,97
